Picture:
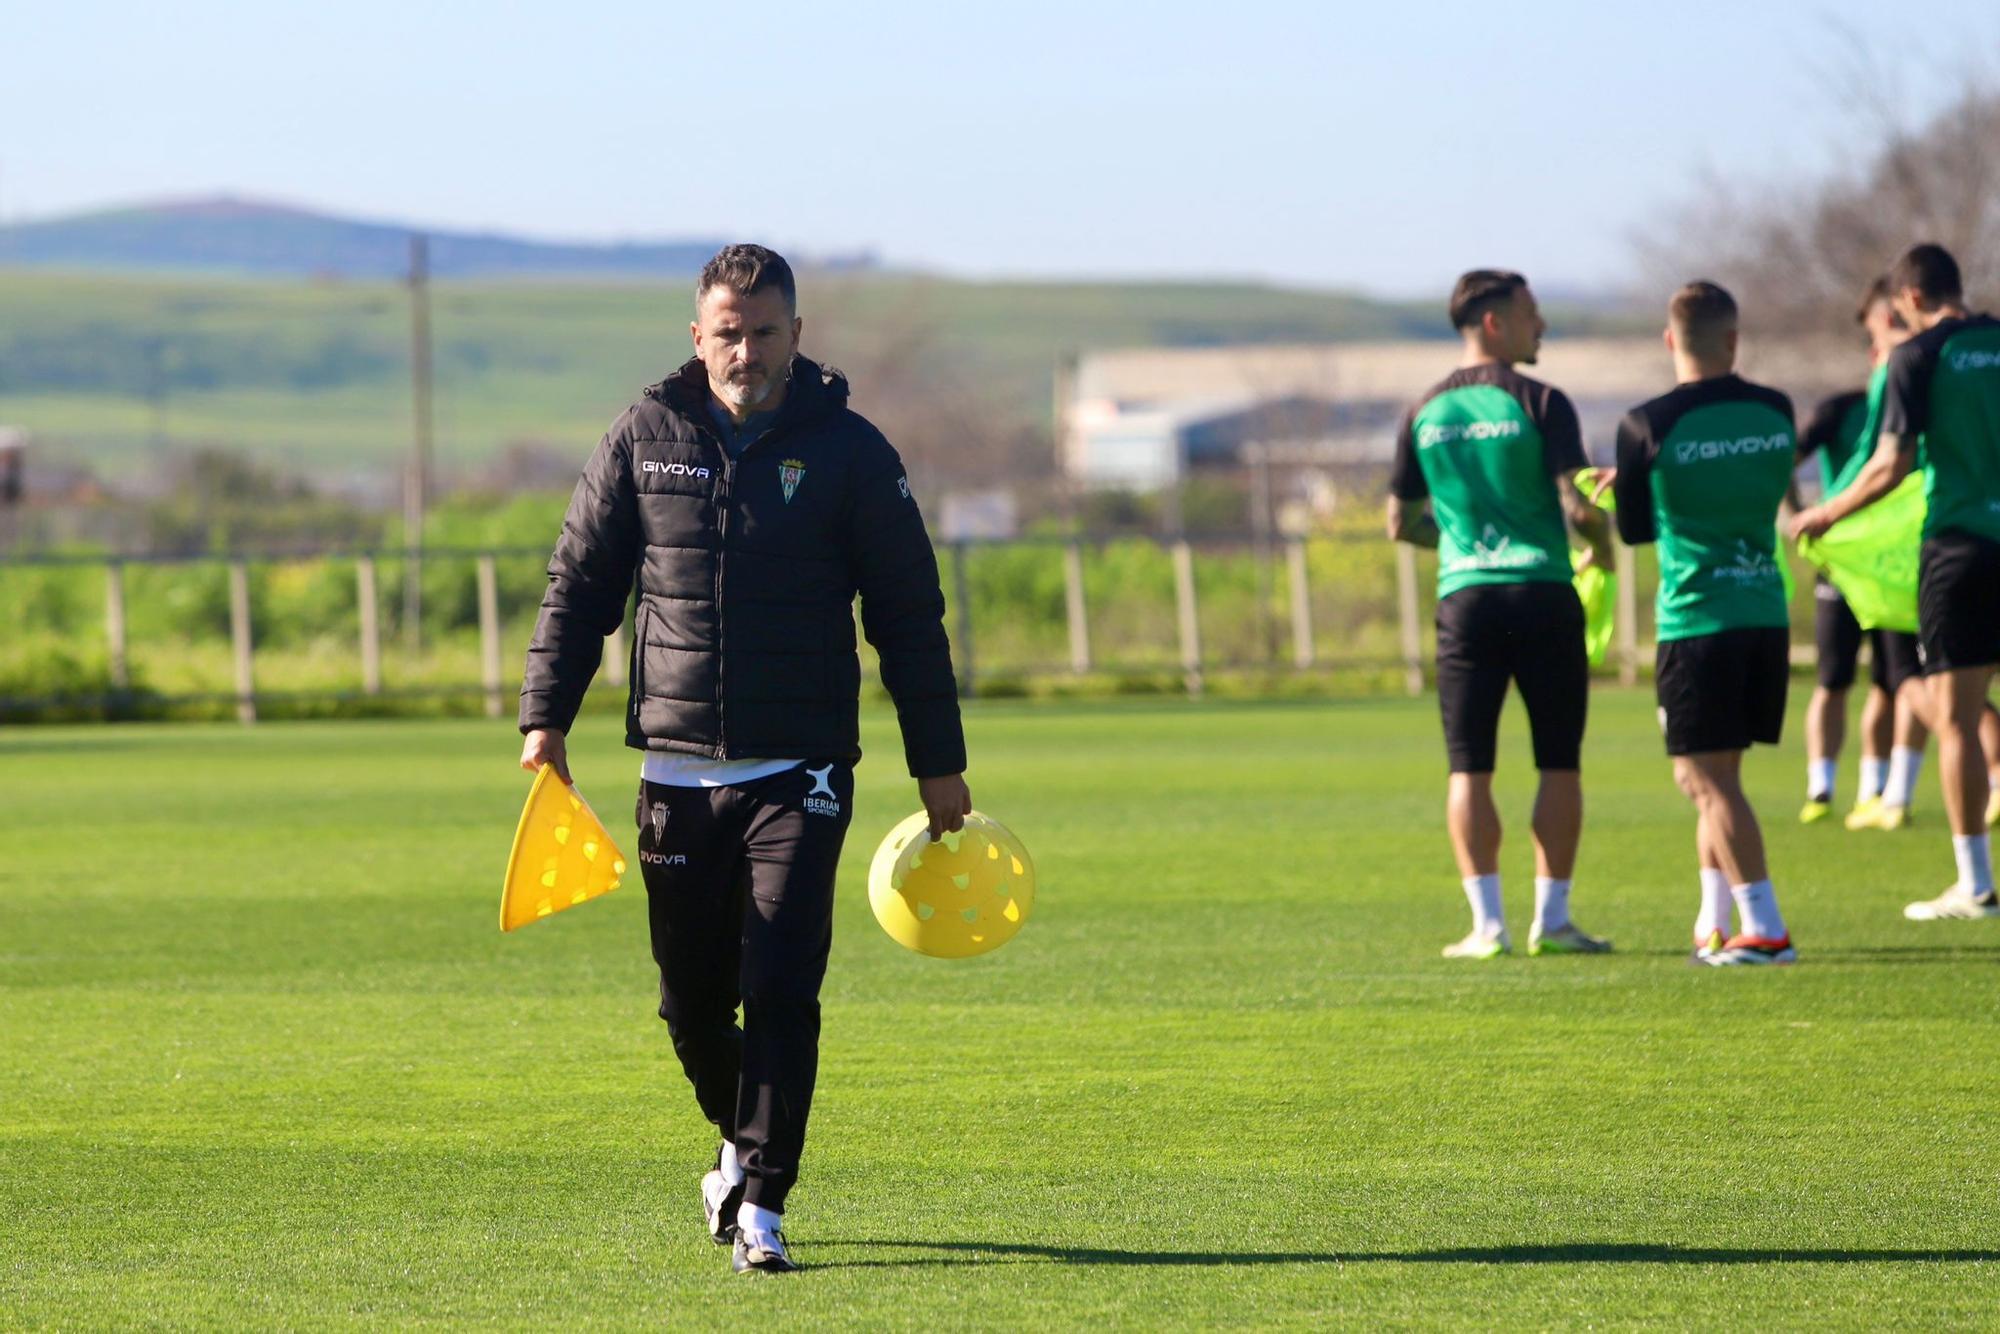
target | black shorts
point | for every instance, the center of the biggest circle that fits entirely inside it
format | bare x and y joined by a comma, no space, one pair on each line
1838,636
1896,659
1892,654
1723,691
1530,634
1958,601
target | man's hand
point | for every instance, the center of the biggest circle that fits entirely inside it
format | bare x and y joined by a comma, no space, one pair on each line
947,800
1809,523
546,746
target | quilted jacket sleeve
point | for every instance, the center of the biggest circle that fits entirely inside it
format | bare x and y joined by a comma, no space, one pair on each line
590,578
902,610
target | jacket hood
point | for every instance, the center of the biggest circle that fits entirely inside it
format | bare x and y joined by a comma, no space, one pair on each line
812,390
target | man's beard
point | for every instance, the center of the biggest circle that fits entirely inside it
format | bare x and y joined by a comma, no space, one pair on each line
748,394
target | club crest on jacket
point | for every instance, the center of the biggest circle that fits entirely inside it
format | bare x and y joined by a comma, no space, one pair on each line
789,473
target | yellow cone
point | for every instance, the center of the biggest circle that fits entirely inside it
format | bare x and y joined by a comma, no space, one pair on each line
963,895
562,854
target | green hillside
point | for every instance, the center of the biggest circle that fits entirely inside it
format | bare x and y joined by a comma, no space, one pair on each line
314,376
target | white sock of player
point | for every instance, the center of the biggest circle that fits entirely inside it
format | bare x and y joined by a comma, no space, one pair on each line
751,1219
1975,863
1715,905
732,1171
1483,893
1904,765
1757,902
1551,904
1874,775
1819,780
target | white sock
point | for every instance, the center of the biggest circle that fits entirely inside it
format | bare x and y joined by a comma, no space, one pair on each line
1483,893
1975,862
1874,774
1758,904
1904,765
1715,904
750,1218
1819,780
732,1171
1551,904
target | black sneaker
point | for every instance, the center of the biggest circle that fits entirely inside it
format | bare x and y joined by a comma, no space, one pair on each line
762,1253
718,1203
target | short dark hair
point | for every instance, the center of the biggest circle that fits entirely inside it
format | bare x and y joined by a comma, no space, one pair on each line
1480,291
1931,270
1700,313
747,269
1878,290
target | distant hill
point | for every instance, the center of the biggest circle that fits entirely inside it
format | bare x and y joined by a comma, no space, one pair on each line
314,376
243,236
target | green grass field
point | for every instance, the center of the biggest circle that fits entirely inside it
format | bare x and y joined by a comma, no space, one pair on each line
268,1062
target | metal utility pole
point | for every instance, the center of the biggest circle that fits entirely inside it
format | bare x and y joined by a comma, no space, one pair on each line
416,480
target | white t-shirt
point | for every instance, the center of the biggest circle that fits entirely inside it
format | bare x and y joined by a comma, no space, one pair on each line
672,770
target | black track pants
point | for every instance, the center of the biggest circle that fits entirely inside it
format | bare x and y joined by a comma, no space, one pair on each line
739,888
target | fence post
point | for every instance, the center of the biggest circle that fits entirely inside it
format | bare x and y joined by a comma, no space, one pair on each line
489,634
239,637
961,593
1302,611
369,610
1079,612
1189,615
1406,613
114,625
1628,615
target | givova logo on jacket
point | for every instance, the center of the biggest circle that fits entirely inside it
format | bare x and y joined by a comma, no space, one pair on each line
790,473
673,469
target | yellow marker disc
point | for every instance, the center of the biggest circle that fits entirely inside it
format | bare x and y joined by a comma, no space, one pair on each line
965,894
547,871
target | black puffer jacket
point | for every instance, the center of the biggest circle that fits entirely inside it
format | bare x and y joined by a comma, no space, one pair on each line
747,572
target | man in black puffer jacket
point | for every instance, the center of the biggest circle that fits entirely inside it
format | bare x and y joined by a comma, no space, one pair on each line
750,506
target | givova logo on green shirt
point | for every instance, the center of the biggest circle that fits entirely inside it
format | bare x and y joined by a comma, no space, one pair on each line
1431,433
1690,451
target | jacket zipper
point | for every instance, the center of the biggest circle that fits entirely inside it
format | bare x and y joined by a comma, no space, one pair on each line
729,462
721,630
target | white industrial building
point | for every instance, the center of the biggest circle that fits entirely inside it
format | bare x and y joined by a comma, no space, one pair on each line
1144,419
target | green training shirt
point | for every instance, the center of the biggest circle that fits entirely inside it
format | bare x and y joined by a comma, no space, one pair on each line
1841,430
1701,470
1486,445
1944,385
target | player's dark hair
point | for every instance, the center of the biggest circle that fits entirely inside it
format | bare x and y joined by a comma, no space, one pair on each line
1701,313
747,269
1931,270
1878,290
1480,291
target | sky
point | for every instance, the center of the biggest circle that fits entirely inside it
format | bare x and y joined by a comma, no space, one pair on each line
1382,147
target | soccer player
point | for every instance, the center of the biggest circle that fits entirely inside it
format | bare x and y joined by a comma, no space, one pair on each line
1944,394
750,505
1841,432
1702,470
1493,452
